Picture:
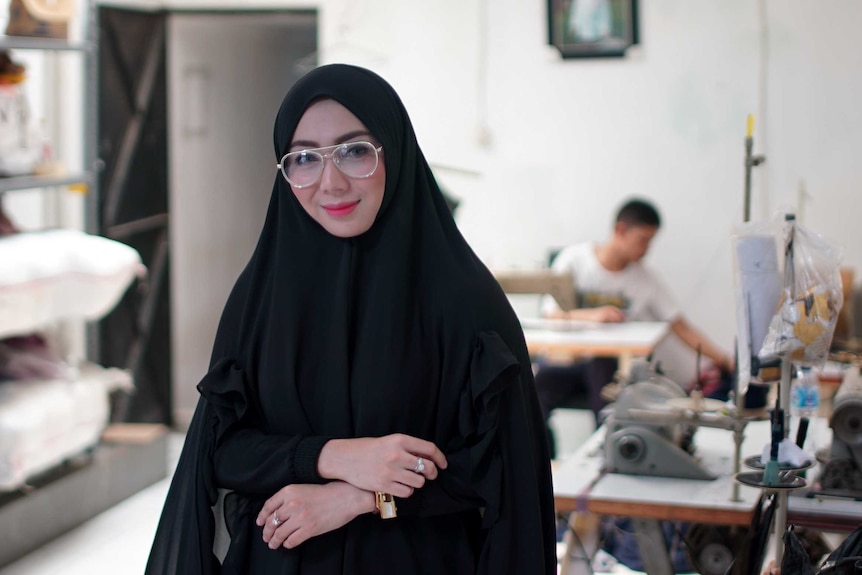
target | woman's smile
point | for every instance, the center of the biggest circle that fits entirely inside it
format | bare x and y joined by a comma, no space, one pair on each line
341,209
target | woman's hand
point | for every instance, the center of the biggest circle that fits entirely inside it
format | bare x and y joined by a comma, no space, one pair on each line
305,511
390,464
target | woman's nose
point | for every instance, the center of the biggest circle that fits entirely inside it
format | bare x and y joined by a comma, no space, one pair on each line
332,179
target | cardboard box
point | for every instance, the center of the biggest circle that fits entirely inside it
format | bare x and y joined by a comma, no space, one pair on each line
40,18
844,328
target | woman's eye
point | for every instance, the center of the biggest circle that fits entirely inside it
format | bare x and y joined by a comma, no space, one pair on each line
304,159
353,150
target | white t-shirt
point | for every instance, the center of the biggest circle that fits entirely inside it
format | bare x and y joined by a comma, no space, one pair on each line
635,289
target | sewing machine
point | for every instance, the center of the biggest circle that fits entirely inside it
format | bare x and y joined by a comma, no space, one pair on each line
842,473
544,281
651,428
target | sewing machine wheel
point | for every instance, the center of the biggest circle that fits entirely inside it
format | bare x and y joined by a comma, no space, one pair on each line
631,447
710,547
847,425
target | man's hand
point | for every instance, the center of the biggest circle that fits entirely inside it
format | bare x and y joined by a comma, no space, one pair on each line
603,314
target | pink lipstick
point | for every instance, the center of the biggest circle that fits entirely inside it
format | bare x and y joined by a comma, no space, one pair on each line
341,209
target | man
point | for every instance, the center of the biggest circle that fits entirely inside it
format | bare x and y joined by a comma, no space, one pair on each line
613,285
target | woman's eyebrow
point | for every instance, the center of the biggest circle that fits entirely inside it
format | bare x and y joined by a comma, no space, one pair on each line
342,138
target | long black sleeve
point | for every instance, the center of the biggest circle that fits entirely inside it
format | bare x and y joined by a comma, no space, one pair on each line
255,463
247,458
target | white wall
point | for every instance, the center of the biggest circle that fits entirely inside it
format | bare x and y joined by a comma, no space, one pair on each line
541,150
552,146
227,75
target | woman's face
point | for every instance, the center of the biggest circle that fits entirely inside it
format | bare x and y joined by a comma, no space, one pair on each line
344,206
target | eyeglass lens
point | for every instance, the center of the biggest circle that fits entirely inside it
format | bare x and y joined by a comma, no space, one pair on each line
353,159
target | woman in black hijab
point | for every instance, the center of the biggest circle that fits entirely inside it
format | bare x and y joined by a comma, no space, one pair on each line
364,348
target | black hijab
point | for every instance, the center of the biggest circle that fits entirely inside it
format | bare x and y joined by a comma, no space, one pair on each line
399,330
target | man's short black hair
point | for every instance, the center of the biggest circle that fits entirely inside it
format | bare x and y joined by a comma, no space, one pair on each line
639,213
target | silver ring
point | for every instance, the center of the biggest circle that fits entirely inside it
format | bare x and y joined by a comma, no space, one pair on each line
275,520
420,465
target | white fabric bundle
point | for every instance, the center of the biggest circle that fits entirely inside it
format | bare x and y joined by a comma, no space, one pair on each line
61,274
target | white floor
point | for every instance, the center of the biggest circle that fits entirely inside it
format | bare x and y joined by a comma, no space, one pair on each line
117,541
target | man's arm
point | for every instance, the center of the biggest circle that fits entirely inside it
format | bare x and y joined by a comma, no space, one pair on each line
603,314
694,339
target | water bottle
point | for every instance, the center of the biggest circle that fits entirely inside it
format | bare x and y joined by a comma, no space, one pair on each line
805,393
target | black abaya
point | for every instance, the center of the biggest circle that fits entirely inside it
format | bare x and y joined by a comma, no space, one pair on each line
399,330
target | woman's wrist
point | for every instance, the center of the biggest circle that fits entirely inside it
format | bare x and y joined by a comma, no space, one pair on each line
368,502
327,462
359,500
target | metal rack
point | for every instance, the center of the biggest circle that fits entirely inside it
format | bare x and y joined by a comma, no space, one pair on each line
86,176
100,477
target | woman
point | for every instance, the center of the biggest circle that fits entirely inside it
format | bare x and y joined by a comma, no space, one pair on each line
364,352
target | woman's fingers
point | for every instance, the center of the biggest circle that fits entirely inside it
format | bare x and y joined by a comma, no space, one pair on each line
421,468
399,489
425,449
305,511
270,527
378,464
280,534
266,513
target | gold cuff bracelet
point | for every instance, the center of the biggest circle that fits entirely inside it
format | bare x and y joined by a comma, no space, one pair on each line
385,503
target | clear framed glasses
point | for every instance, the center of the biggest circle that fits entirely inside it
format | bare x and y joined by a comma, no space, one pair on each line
353,159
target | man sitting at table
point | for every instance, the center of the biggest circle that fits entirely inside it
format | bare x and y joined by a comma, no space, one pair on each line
613,285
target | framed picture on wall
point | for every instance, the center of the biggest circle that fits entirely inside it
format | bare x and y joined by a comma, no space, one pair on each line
592,28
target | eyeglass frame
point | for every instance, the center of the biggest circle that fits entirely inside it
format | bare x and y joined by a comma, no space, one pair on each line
377,151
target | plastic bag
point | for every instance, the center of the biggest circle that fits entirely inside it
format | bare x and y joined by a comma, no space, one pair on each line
804,320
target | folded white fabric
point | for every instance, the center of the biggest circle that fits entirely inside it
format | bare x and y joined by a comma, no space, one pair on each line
61,274
45,422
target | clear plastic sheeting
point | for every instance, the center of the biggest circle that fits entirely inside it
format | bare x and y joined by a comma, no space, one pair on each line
804,320
788,292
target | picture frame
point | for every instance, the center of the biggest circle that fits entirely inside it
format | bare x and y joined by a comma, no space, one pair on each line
593,28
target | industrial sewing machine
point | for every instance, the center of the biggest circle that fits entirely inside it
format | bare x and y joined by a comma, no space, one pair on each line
842,472
651,429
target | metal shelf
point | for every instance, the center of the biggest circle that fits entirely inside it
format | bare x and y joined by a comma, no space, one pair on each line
31,43
31,182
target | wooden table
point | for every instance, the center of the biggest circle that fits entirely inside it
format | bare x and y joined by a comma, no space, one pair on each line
563,341
581,484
